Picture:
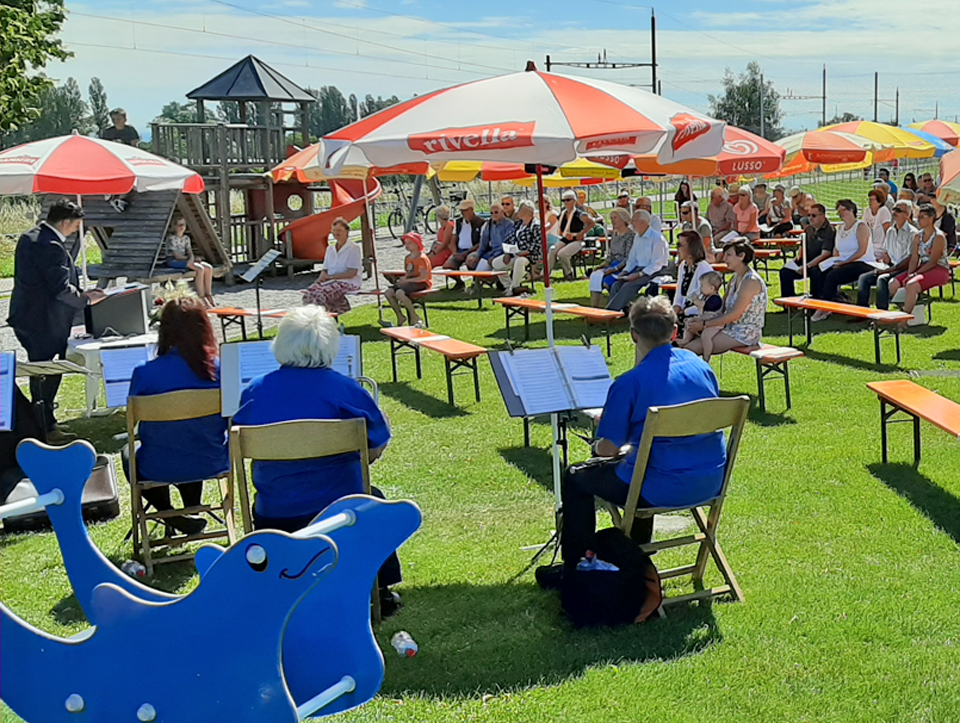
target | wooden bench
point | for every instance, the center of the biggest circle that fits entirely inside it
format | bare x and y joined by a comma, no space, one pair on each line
477,276
916,403
417,297
457,355
771,360
522,307
882,322
234,316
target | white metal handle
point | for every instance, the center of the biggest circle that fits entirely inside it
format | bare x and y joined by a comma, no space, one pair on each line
347,518
31,504
312,706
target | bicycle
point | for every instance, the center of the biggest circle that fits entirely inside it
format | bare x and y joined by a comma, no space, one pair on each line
397,218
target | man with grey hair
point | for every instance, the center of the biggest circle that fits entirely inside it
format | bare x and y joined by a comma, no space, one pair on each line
492,235
644,203
526,238
648,256
687,469
720,214
898,245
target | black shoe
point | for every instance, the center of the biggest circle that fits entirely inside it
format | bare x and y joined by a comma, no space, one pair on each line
549,577
390,603
187,524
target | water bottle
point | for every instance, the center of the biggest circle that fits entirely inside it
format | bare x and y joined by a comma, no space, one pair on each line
133,568
590,562
405,645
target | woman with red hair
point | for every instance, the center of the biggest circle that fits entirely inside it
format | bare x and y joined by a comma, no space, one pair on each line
417,276
187,452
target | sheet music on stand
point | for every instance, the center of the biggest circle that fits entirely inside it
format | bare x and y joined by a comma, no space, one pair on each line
547,381
118,364
243,361
8,367
262,263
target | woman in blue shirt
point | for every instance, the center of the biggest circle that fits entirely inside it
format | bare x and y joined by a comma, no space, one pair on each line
192,450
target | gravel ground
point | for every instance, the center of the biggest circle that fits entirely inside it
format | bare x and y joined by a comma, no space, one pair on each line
278,292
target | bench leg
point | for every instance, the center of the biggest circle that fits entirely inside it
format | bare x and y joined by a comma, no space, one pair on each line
393,358
916,441
760,390
506,319
476,378
449,381
790,324
896,335
883,431
426,319
607,329
526,431
876,343
807,326
786,382
416,355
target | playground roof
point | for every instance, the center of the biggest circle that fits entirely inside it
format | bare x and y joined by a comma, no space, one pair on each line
253,80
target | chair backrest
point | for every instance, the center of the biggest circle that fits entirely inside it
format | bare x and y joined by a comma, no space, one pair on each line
300,439
169,407
703,416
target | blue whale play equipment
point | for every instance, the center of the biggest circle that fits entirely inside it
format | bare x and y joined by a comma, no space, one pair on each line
330,659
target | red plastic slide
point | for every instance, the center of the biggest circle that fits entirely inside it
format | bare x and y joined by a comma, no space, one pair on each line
309,234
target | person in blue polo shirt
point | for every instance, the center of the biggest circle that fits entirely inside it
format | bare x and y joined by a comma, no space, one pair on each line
681,470
290,494
192,450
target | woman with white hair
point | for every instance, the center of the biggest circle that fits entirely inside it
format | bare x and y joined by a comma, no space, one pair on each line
291,494
573,226
619,243
341,272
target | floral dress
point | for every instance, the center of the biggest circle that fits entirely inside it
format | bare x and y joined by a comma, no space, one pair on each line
749,327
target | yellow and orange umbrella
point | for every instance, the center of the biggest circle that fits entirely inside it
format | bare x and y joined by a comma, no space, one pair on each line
903,143
949,190
305,167
944,130
831,151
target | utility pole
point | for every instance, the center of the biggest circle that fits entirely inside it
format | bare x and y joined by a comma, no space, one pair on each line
823,122
761,106
654,86
876,95
896,122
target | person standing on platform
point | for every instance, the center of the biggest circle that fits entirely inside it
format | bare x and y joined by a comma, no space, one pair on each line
46,297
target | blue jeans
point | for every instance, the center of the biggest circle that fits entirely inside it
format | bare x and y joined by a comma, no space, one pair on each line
880,279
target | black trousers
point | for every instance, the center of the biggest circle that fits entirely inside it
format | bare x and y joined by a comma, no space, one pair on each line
43,390
581,484
838,276
390,572
788,278
190,492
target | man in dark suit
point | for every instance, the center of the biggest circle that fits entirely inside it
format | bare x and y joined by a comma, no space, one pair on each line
46,296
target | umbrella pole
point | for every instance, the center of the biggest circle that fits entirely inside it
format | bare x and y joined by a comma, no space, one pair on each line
83,248
803,262
373,247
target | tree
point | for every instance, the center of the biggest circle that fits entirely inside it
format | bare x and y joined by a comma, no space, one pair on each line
99,109
843,118
28,42
331,111
174,112
371,105
740,103
62,110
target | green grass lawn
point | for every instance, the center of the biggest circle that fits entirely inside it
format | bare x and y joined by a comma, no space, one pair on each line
851,569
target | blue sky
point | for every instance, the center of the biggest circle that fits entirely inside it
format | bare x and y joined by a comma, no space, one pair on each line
150,52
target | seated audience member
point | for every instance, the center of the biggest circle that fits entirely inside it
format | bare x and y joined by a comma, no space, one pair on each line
509,207
572,227
805,205
797,199
852,255
878,219
910,182
341,272
927,185
645,204
733,193
928,266
649,255
467,234
779,216
720,214
693,265
746,213
619,243
623,200
193,450
818,243
582,206
681,470
906,195
744,307
707,302
884,188
761,199
885,177
180,256
494,233
526,237
416,277
683,195
692,221
945,223
290,494
446,244
896,257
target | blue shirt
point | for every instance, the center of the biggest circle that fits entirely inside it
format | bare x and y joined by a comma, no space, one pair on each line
187,451
681,470
492,237
301,487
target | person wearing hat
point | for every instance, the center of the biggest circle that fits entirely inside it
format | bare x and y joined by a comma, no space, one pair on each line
573,225
466,233
46,297
897,246
416,277
623,200
120,131
796,204
761,199
778,213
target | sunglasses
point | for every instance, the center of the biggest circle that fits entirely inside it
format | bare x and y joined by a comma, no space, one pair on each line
898,210
684,213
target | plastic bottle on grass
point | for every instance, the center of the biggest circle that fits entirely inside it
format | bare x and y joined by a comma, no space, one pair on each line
133,568
591,562
404,644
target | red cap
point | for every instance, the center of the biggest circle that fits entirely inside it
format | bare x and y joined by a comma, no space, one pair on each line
413,236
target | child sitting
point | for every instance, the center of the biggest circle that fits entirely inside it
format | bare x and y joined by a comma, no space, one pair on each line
416,277
705,305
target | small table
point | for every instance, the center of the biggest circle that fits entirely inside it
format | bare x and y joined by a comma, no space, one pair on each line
86,352
235,316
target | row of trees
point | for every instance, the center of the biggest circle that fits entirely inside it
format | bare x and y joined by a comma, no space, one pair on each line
62,110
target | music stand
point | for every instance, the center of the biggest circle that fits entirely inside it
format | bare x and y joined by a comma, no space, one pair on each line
44,369
254,273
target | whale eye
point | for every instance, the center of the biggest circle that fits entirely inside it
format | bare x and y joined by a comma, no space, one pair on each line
257,558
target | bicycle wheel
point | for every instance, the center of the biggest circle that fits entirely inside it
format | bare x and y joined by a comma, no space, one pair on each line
396,223
430,218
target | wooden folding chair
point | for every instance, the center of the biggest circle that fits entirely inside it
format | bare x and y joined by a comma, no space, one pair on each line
704,416
297,440
173,407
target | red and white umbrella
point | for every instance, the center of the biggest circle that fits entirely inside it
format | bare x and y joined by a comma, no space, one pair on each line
528,117
76,165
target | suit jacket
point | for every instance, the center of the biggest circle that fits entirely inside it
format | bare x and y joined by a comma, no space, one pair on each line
46,293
